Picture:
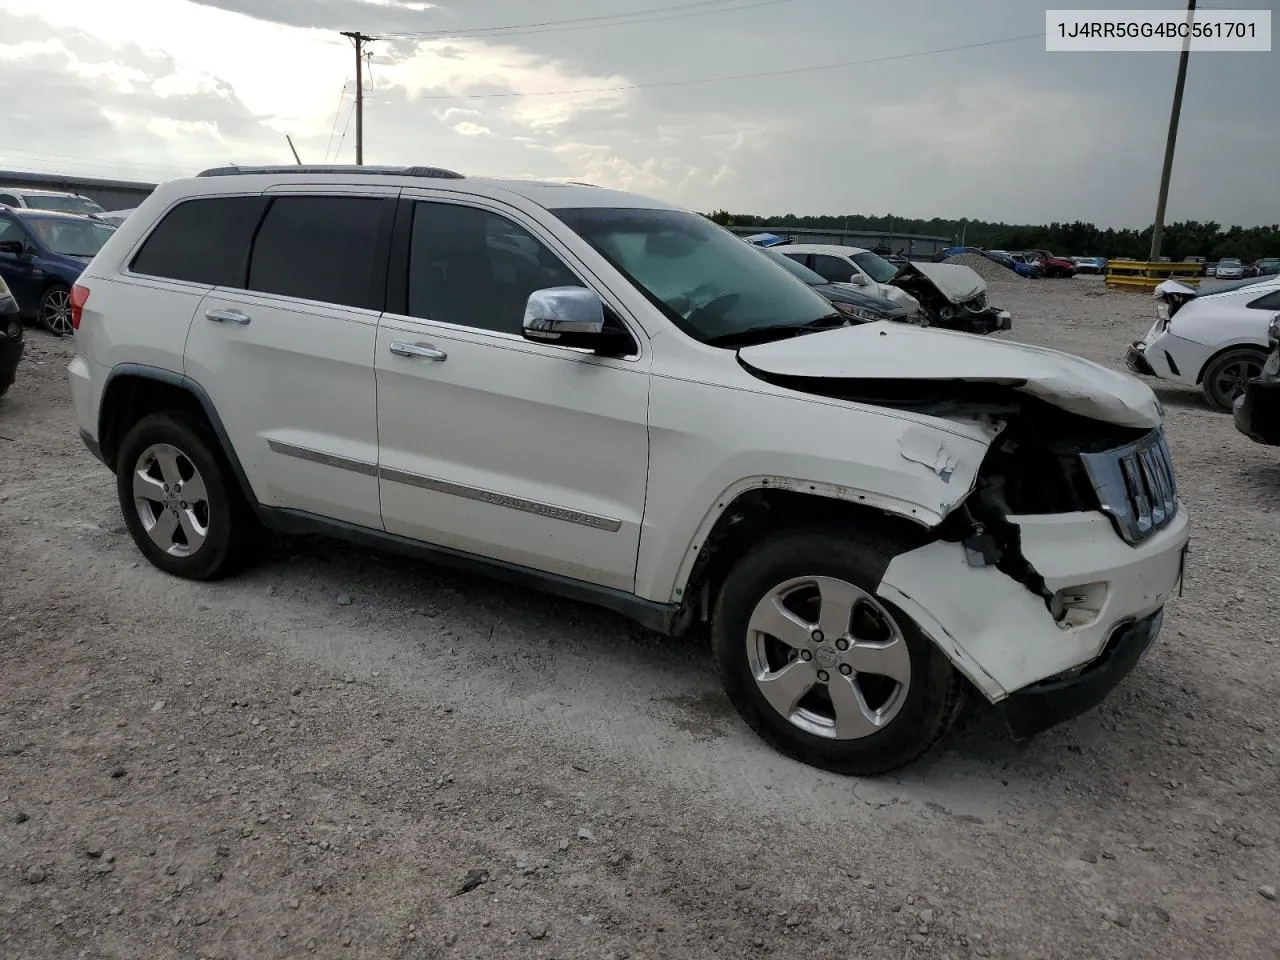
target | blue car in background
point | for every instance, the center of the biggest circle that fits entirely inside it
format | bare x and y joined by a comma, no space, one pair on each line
42,254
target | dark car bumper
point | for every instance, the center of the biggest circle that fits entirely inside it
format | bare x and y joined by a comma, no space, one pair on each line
10,353
1257,411
1137,362
1043,705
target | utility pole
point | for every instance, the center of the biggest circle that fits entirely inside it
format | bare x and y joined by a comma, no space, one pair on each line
1157,231
359,39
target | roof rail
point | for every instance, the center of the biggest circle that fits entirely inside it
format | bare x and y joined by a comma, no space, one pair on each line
233,171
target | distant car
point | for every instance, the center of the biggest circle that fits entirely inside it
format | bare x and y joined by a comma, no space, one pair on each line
1211,268
21,198
1230,269
41,255
862,268
10,338
1052,266
847,299
1018,266
1216,340
114,217
1094,265
1266,267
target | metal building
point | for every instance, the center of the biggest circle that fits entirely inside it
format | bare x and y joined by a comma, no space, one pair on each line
111,194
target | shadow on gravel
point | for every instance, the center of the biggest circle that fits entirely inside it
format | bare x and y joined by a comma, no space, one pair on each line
1186,398
975,770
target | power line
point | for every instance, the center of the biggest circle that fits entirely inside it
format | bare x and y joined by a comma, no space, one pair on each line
472,31
345,128
337,112
596,26
790,71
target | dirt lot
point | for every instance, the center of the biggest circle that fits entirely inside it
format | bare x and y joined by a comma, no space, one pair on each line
310,759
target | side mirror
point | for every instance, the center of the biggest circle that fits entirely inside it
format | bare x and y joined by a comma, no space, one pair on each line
570,317
16,247
858,280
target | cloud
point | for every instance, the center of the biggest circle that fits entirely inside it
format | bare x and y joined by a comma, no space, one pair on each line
469,129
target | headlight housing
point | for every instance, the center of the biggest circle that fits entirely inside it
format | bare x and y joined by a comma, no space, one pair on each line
856,313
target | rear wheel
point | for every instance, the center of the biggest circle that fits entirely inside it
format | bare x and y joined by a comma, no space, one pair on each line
822,668
55,310
180,501
1227,373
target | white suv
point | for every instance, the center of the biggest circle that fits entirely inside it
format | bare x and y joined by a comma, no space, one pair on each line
619,401
24,197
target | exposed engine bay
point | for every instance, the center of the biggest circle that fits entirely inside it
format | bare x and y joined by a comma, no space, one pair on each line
951,296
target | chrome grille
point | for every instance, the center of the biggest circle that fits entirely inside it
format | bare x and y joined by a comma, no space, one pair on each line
1136,486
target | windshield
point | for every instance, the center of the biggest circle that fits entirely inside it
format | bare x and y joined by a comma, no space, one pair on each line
798,270
877,268
703,278
71,238
62,204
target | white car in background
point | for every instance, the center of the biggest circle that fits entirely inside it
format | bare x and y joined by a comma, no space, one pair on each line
1217,340
1229,269
862,268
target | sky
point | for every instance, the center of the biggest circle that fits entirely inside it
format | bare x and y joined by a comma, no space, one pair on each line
908,125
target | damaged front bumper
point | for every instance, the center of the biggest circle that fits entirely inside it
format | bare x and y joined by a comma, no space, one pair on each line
1040,706
1007,639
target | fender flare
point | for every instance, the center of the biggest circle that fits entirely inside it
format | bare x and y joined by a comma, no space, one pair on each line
923,516
185,383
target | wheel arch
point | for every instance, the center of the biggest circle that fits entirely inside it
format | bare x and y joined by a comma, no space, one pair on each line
1242,344
134,390
752,510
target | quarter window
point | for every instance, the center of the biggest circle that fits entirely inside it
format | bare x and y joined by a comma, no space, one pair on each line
474,268
834,269
1270,301
321,248
202,241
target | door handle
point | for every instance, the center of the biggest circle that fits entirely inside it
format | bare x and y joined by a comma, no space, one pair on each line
402,349
227,316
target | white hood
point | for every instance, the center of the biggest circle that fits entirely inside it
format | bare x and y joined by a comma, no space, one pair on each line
895,351
954,281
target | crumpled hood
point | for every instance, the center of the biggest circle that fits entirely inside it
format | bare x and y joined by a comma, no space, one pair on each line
955,281
893,351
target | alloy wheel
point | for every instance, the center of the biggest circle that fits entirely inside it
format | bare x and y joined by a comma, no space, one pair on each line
829,657
170,497
55,311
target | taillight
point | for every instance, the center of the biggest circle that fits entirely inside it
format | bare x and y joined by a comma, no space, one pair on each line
79,297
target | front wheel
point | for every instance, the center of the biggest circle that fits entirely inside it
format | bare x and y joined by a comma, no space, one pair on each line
55,310
1227,373
822,668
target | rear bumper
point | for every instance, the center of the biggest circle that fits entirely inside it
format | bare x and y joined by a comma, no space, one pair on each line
1038,707
1257,412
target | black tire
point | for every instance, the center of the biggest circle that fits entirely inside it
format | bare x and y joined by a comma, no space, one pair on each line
232,529
1225,375
54,310
932,699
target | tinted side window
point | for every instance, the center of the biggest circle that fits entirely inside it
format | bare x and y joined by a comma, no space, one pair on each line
320,248
475,268
8,200
1270,301
834,269
202,241
11,230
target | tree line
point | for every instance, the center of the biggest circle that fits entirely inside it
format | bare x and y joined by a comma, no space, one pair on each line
1189,238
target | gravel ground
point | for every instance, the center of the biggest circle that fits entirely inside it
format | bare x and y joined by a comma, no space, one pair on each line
989,270
342,754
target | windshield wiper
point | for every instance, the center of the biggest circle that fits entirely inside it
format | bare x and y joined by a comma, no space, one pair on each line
778,331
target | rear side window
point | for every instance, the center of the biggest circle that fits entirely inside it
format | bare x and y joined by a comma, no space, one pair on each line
8,200
202,241
322,248
833,269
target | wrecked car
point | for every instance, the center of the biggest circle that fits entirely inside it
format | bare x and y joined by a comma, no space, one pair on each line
1215,339
870,520
952,296
947,295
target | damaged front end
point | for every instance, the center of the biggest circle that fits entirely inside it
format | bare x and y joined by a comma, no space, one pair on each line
1062,555
952,296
